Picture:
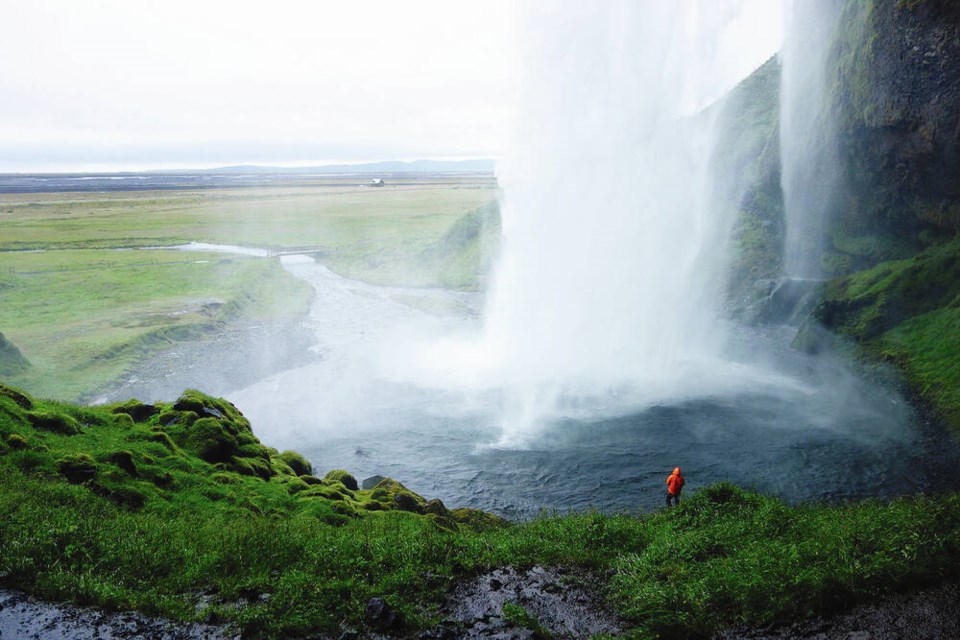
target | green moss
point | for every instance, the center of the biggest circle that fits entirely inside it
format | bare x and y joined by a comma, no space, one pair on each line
477,520
77,467
210,440
163,438
339,475
520,617
137,410
256,467
17,441
53,422
18,397
124,460
300,465
123,420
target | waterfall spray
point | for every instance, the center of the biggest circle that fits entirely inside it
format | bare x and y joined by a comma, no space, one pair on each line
608,280
808,148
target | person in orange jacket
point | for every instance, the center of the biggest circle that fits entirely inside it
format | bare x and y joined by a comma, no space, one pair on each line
675,484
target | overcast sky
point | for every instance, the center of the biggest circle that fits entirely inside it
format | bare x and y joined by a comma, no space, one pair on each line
135,84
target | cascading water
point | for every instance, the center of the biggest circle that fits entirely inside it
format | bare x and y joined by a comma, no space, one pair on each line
808,135
603,319
612,257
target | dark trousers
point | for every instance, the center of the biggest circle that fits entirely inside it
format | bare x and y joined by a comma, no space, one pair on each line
675,498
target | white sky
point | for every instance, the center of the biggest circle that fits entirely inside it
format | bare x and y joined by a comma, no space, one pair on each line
135,84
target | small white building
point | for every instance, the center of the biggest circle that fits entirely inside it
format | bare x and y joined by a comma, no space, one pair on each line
376,182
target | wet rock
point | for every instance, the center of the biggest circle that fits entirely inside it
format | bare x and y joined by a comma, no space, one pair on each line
562,603
27,618
380,616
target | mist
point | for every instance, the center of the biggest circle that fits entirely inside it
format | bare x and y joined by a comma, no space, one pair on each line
600,355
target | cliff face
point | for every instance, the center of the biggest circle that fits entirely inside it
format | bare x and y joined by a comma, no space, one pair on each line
892,244
895,70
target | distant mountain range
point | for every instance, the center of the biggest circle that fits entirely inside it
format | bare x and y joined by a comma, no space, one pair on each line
386,167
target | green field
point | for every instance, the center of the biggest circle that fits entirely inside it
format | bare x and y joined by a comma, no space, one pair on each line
83,307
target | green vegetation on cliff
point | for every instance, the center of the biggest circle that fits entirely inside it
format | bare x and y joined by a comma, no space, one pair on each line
907,312
178,509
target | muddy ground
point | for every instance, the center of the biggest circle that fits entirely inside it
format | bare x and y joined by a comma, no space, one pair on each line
559,604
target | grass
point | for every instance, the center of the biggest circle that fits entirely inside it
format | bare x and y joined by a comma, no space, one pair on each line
138,510
82,312
81,317
907,312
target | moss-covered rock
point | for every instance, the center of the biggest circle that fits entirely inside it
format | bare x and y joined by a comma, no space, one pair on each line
53,422
77,468
251,466
124,460
137,410
300,465
209,439
339,475
164,439
21,399
17,441
478,520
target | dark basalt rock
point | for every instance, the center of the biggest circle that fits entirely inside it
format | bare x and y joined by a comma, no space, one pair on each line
381,617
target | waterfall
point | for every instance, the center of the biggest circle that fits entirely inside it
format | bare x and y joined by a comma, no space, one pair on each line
809,160
611,270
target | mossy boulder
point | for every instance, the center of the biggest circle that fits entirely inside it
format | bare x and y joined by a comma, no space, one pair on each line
137,410
53,422
124,460
478,520
311,479
216,432
250,466
163,438
17,441
209,439
77,468
123,420
19,398
300,465
339,475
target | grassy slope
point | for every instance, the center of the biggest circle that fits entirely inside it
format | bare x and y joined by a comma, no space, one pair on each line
907,312
82,314
156,512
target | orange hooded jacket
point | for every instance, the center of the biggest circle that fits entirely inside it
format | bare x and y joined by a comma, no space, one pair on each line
675,482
